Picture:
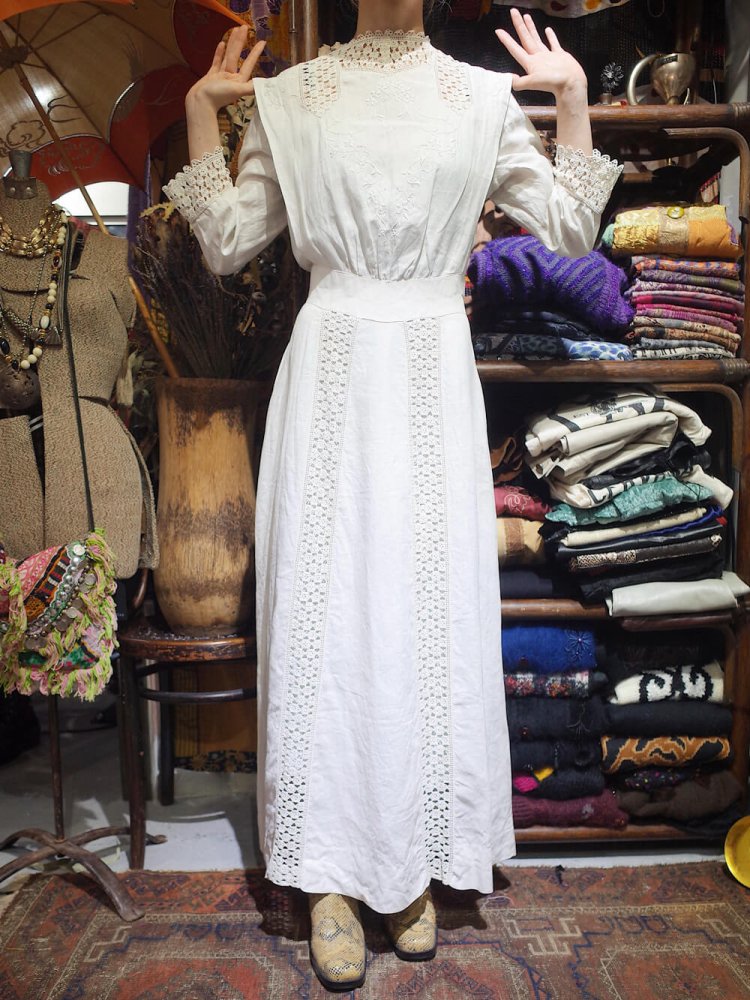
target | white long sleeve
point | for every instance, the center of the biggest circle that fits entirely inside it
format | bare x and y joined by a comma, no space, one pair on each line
560,204
232,222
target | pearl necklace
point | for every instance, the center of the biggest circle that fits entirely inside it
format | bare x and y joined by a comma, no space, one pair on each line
30,356
42,237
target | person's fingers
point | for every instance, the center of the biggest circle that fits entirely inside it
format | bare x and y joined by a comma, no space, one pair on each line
235,45
218,58
518,53
223,63
231,91
248,66
554,44
528,82
245,89
531,28
224,67
521,30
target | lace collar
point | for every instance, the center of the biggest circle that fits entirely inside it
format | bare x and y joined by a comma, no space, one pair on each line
382,50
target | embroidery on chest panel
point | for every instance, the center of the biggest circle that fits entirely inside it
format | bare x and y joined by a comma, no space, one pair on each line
431,588
307,619
390,191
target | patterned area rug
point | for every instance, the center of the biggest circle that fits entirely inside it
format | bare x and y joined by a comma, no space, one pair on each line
652,933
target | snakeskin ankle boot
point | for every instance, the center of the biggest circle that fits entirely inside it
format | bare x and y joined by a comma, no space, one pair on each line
413,931
337,941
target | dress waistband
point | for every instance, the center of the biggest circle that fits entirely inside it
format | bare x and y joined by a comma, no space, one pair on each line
387,301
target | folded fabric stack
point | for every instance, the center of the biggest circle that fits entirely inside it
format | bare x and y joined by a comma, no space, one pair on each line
519,518
667,746
555,721
637,502
685,281
530,303
507,456
520,514
678,597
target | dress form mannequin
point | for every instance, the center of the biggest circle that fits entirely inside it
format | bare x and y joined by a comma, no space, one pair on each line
41,514
31,518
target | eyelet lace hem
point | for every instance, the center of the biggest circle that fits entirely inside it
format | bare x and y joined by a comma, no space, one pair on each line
199,183
590,178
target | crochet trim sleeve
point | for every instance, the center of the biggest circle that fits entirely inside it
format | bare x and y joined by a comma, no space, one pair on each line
588,177
199,183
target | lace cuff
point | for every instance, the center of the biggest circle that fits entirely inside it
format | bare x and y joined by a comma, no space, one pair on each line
198,184
588,178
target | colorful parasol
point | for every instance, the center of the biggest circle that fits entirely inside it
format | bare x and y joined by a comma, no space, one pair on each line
107,77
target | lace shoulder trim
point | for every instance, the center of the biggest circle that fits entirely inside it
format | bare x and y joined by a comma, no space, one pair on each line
453,81
589,178
319,84
199,183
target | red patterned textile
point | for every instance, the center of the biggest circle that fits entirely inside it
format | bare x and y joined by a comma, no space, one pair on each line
655,932
515,501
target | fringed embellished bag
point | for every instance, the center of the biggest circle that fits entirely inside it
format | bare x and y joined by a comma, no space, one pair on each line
57,610
58,620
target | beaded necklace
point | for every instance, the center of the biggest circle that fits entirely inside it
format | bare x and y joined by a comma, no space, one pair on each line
42,241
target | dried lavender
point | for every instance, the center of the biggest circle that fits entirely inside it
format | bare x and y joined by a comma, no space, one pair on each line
216,327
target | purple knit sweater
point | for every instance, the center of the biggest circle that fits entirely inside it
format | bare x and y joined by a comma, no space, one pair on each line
520,269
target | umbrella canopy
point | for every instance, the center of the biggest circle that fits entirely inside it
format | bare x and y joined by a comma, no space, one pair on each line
111,76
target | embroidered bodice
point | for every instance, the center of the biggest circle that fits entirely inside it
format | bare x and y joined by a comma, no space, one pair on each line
380,154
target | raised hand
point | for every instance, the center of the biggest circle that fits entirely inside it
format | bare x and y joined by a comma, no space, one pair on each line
226,81
547,67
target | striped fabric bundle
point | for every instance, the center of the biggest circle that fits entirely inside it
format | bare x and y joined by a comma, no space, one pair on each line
685,308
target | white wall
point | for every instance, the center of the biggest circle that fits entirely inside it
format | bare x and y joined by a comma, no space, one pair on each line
111,202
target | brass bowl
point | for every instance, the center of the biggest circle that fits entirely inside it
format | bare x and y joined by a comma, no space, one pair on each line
737,850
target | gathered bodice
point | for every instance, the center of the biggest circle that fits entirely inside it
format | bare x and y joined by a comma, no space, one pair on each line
380,154
392,155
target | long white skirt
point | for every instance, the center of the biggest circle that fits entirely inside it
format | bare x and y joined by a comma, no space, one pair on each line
383,752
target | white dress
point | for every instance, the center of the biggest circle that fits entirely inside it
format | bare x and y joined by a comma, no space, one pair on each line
382,747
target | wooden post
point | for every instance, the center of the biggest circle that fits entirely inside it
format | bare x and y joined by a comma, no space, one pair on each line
148,319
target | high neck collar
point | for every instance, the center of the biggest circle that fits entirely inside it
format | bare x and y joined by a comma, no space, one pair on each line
384,50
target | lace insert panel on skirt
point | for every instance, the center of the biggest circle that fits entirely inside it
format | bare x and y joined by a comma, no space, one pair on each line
310,594
431,588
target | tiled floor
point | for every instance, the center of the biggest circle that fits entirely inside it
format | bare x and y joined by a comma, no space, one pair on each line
212,822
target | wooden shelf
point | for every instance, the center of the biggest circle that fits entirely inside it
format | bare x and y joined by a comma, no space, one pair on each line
731,370
558,609
574,834
542,607
648,117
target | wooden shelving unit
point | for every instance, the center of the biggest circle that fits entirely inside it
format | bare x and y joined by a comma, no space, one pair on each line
715,135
